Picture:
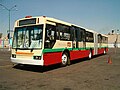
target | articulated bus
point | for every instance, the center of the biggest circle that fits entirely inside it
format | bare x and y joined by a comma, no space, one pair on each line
46,41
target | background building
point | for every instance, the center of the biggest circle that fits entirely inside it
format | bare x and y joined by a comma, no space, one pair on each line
114,40
4,43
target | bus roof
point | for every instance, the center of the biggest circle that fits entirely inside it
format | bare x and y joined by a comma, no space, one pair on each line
54,20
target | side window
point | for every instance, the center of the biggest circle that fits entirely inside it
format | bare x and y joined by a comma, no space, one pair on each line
63,32
50,32
78,34
75,33
99,38
104,39
89,37
82,35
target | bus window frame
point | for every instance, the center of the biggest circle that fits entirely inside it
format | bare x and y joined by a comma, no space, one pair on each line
61,29
89,37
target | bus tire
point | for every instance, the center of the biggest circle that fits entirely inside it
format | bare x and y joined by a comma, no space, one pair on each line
104,51
90,54
65,59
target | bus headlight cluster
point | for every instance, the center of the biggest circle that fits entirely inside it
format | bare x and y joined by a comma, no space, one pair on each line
37,57
13,56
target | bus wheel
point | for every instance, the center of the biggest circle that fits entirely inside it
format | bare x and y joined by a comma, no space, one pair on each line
90,55
104,51
65,59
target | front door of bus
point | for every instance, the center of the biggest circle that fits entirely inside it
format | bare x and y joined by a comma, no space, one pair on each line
50,36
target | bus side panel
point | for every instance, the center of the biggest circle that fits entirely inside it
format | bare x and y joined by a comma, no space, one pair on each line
101,50
93,53
106,49
52,58
79,54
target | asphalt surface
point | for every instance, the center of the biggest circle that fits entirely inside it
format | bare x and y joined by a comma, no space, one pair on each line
83,74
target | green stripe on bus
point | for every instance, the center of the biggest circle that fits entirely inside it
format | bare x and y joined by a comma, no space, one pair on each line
70,49
62,49
53,50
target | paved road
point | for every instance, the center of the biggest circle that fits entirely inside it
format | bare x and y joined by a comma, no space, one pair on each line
94,74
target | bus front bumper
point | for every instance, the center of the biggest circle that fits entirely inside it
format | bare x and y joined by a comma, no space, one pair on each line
27,61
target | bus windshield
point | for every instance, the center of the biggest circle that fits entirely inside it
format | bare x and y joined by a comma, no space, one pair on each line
28,37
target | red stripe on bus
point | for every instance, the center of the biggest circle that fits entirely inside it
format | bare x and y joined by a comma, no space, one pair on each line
79,54
101,50
52,58
106,49
55,57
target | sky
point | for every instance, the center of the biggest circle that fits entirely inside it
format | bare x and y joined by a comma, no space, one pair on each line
102,16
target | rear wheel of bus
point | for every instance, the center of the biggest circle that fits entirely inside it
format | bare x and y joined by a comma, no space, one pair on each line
90,54
104,51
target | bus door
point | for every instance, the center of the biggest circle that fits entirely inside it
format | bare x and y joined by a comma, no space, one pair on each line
82,37
50,36
74,37
77,34
99,40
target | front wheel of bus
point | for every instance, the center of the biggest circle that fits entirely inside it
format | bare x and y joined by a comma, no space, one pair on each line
65,59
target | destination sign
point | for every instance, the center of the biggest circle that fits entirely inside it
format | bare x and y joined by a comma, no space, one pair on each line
27,21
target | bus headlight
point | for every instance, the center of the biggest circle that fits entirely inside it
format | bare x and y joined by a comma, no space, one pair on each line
37,57
13,56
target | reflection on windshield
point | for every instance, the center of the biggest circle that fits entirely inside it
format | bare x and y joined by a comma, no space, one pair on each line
28,37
